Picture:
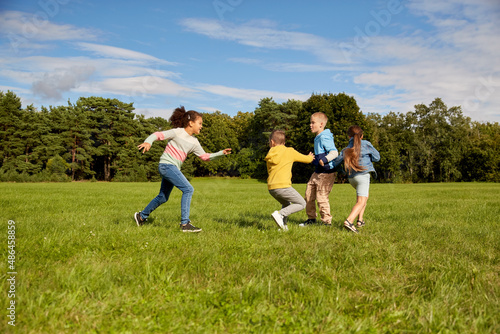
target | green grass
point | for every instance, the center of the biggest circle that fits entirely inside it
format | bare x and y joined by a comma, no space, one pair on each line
426,262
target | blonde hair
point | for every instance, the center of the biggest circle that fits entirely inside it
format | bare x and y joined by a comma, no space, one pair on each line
321,116
351,155
278,137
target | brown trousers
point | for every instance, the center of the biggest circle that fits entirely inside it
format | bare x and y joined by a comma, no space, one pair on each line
318,189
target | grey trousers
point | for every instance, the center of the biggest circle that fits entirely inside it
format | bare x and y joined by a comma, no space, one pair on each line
291,201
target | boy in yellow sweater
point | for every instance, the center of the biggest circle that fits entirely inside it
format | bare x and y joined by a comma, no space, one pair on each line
279,161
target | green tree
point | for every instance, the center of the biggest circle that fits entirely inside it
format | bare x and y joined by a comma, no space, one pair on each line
481,161
113,130
440,138
389,166
11,114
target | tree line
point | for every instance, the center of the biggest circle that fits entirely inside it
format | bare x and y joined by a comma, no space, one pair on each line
96,138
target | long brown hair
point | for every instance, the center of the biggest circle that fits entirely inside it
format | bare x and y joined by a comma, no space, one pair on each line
351,155
180,117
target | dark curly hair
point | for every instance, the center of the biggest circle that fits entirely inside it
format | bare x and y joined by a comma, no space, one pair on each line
180,117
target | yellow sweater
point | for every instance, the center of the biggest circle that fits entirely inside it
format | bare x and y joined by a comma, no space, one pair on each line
279,165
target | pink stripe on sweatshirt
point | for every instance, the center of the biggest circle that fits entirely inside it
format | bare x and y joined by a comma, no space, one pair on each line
159,135
175,153
205,157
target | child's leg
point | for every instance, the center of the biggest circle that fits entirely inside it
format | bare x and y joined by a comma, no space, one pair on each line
357,208
311,197
362,212
165,190
175,177
290,199
362,185
324,188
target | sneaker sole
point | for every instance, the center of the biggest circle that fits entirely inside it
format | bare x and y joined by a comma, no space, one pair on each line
352,229
277,222
137,220
192,231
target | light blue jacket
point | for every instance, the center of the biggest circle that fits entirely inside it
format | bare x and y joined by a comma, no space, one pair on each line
367,155
323,144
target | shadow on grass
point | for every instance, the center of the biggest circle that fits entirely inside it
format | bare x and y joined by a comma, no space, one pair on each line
266,222
250,219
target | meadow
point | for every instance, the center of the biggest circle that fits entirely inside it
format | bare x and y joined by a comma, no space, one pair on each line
427,261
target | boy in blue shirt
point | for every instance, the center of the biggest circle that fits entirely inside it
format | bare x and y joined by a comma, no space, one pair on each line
321,182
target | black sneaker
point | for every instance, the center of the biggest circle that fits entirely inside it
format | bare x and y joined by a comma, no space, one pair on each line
350,227
360,223
308,222
138,219
190,228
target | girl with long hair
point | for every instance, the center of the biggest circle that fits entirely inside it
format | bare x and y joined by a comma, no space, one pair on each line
181,142
358,157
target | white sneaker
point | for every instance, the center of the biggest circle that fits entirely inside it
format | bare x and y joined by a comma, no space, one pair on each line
278,218
285,222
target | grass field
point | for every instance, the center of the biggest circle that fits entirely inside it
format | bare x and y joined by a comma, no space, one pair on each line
426,262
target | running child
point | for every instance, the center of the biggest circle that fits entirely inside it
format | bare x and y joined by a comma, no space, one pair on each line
358,157
279,162
181,142
321,182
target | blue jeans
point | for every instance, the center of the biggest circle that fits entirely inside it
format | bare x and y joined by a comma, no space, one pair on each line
171,176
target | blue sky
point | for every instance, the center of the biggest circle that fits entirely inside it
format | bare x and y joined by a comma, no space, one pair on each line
229,54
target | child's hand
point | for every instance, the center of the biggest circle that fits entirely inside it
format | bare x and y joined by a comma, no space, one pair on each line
227,151
145,147
321,163
311,154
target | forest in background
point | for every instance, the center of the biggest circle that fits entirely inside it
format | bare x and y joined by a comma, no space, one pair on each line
96,138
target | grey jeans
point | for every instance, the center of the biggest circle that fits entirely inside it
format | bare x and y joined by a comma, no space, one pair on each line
291,201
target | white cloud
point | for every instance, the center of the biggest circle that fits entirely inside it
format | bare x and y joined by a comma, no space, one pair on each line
262,34
154,112
136,74
120,53
106,67
456,59
14,89
136,86
53,84
251,94
208,109
27,30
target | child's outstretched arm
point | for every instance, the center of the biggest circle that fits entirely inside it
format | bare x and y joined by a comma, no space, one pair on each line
160,135
200,152
299,157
